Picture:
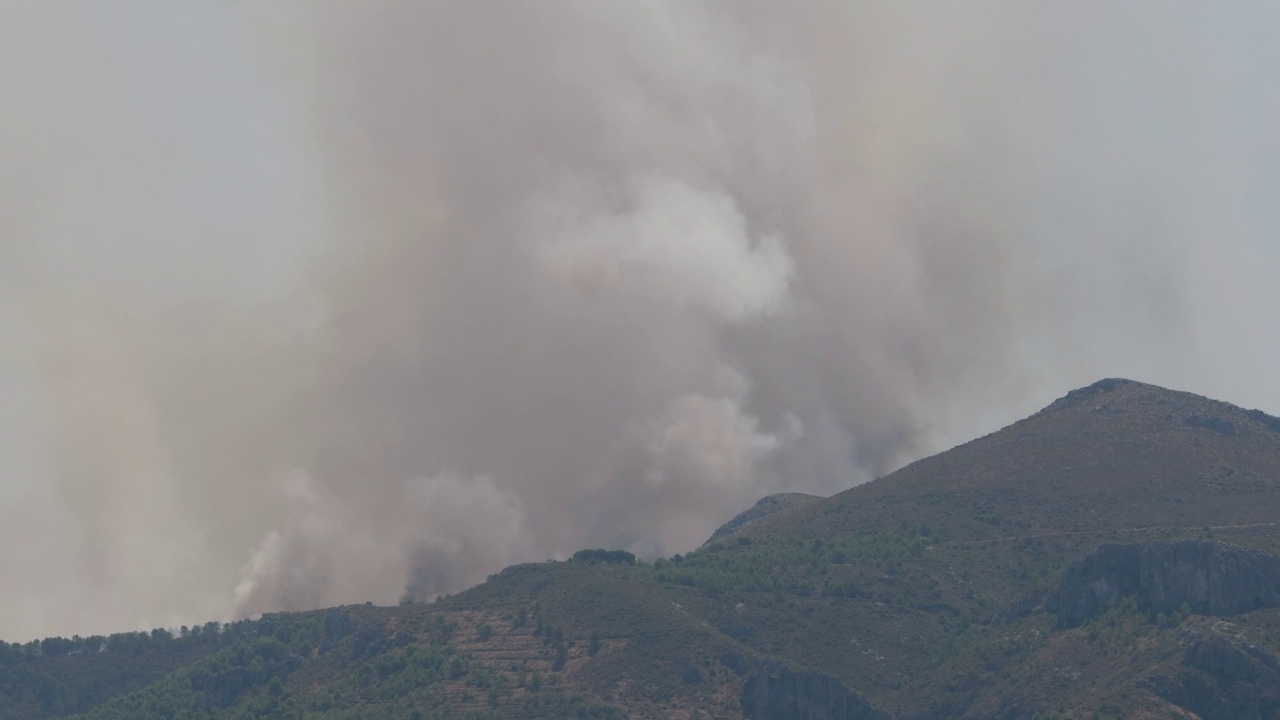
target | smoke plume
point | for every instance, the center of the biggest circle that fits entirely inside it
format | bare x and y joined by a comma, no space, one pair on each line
315,303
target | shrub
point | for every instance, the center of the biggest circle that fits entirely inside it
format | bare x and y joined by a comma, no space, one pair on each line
613,557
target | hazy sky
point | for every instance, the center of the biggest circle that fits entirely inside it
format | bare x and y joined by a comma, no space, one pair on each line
304,303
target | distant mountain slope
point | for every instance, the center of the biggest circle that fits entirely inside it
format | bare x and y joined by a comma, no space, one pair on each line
1112,556
1115,455
768,505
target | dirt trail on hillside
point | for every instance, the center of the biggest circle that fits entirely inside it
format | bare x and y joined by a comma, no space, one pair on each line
1152,528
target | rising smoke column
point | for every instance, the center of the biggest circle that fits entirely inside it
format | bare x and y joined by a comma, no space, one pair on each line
409,292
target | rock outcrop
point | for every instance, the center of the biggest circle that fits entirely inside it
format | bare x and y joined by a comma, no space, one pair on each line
766,506
1212,578
1210,422
780,691
1221,680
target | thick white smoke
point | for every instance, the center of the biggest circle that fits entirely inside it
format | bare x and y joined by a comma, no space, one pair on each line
313,303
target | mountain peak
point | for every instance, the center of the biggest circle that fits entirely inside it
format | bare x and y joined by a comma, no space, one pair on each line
1115,454
1119,396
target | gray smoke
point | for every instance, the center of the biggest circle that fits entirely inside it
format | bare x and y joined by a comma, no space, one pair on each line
313,303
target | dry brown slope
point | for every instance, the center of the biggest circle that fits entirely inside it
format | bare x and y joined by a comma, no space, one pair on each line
1115,455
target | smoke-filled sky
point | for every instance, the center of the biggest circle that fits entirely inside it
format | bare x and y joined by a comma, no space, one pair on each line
306,303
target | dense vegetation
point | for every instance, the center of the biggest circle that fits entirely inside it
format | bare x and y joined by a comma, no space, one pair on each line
618,557
795,565
60,676
256,670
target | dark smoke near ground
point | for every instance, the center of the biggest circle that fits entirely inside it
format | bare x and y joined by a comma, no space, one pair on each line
308,303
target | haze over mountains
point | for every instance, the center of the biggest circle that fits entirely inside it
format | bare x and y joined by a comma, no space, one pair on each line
1112,556
316,303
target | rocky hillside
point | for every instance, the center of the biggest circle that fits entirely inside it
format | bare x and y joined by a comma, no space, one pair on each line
768,506
1114,555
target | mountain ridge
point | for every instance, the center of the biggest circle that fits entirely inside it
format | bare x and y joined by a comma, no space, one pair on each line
1054,568
1087,435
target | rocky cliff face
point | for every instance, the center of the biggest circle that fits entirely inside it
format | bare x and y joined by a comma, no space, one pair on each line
783,692
1221,680
1212,578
